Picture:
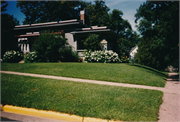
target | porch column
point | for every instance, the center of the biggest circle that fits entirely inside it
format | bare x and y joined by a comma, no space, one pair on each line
19,40
21,47
24,47
27,47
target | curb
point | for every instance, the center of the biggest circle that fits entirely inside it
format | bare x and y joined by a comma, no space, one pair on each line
50,114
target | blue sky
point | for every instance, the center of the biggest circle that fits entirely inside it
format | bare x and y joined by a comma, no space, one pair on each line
128,7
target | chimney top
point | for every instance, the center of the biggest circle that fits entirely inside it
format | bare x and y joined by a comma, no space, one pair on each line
82,16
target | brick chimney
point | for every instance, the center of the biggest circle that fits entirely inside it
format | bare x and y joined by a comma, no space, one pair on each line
82,16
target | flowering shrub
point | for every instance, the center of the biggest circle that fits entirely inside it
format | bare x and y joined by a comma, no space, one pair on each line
102,56
12,56
30,57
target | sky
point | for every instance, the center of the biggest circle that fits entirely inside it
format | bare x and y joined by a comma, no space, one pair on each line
128,7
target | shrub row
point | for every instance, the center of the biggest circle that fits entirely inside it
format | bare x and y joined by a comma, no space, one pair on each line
65,55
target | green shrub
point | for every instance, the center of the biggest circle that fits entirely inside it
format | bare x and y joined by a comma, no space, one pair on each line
12,56
92,42
102,56
47,46
67,55
31,57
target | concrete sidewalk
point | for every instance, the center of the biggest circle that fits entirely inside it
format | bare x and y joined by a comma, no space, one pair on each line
170,108
93,81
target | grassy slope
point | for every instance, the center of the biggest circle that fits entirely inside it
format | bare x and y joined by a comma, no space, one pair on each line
83,99
121,73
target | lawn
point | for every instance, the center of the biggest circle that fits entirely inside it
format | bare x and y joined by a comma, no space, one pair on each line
116,72
83,99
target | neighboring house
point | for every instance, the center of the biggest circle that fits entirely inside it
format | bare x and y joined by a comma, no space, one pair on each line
132,52
74,30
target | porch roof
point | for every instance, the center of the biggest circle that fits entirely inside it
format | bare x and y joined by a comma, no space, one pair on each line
103,30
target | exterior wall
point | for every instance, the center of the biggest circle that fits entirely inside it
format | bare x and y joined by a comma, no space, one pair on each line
133,52
71,40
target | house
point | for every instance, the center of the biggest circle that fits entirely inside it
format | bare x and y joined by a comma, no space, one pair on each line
132,52
75,30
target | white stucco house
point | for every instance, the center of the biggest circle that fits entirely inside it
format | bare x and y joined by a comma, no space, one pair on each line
75,30
132,52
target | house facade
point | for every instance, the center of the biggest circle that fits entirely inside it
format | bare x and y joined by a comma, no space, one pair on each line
132,52
75,30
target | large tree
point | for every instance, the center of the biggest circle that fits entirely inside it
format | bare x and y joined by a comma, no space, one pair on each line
4,4
97,13
159,26
48,11
117,23
8,23
127,37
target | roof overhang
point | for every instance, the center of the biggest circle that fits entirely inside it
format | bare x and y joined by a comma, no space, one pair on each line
69,24
90,31
43,26
107,32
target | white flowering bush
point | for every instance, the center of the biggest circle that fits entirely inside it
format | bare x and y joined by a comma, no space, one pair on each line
102,56
31,57
12,56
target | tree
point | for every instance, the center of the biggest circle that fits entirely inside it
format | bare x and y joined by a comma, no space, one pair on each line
8,23
92,42
159,24
4,4
47,46
117,24
48,11
97,13
127,37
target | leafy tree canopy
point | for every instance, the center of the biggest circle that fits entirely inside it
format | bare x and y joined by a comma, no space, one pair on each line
117,24
48,11
159,25
98,13
4,4
92,42
7,30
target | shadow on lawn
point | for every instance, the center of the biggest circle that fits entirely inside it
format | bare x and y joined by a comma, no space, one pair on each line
151,70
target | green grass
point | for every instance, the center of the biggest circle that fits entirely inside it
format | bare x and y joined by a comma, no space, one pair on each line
122,73
83,99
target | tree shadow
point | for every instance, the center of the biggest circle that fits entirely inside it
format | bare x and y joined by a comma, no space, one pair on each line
151,70
173,78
